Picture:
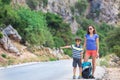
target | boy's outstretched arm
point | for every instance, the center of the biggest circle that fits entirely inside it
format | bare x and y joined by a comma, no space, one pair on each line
65,47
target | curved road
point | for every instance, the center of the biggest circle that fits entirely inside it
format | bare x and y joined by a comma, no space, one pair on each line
55,70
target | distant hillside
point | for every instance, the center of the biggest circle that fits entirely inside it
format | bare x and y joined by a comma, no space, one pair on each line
107,11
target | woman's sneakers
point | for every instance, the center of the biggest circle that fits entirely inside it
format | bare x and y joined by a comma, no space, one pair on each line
79,77
74,77
92,77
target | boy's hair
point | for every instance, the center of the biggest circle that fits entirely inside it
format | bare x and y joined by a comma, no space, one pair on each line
77,38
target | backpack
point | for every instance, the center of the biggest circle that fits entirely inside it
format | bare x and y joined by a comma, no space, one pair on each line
86,70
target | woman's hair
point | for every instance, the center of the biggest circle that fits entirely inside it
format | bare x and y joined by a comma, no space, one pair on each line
94,31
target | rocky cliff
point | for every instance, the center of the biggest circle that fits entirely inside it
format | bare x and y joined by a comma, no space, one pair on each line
5,41
105,11
61,7
100,10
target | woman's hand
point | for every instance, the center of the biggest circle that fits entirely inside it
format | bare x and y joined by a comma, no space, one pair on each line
97,55
82,52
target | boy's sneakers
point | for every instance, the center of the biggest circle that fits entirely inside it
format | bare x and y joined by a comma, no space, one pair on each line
79,77
74,77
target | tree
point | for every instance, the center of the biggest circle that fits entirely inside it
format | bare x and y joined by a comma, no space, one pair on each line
113,41
6,1
60,30
32,26
7,13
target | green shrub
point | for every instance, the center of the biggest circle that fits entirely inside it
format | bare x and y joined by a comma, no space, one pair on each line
58,41
84,23
81,6
52,59
104,63
103,49
1,35
6,1
32,4
45,2
7,14
34,28
104,27
60,30
72,9
68,52
81,33
113,39
10,61
116,50
4,55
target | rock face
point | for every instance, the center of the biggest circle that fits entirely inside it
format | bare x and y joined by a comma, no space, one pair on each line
21,2
6,42
12,33
112,74
105,11
114,61
46,51
62,7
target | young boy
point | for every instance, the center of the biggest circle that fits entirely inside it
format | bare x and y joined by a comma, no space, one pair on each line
77,50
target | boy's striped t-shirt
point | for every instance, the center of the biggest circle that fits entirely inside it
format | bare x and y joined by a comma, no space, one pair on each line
76,50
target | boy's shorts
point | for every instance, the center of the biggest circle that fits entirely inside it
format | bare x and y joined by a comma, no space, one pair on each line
92,53
76,62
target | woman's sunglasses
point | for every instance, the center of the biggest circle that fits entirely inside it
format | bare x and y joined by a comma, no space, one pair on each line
90,28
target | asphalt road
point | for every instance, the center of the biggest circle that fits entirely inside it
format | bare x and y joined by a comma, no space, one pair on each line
55,70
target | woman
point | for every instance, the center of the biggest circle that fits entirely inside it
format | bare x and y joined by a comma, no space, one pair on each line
91,44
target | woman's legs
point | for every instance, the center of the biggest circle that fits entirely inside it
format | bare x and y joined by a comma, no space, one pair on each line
93,65
94,56
87,55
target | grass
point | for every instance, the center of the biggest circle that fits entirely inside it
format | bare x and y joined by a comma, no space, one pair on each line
52,59
13,60
104,61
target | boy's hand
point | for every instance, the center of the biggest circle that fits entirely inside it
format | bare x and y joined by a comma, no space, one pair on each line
82,52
